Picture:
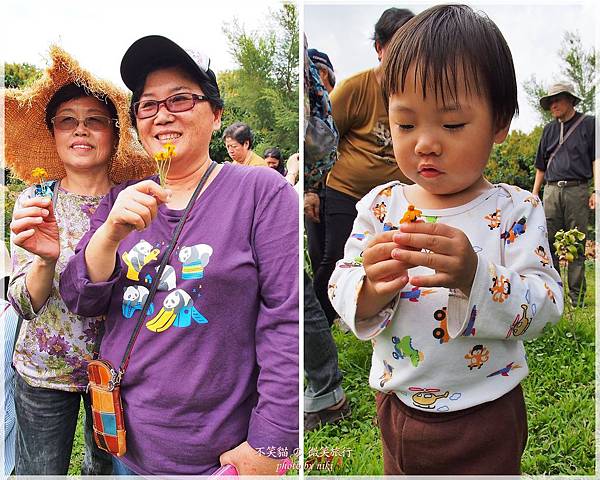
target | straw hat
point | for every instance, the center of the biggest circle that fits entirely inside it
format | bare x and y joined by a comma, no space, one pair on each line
29,144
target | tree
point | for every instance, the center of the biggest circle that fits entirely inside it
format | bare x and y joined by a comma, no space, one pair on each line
578,66
18,75
263,91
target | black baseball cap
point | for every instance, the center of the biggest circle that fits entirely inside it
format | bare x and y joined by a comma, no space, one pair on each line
319,57
147,50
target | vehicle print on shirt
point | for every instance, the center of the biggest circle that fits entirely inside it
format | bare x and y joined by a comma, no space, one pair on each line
426,397
140,255
194,260
500,288
388,226
535,201
356,262
477,356
134,299
388,371
541,252
415,293
469,330
441,332
361,236
516,230
178,310
403,348
521,323
494,219
380,211
505,370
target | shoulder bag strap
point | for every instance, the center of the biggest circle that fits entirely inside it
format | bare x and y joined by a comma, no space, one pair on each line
163,264
571,130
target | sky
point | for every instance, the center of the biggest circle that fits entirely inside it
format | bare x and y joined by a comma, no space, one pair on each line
97,33
533,31
98,37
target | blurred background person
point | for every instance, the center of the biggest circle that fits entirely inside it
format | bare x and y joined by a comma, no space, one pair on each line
239,140
365,156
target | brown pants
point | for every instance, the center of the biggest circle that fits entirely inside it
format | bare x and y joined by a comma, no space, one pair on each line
487,439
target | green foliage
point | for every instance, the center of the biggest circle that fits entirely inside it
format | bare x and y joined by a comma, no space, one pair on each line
513,161
559,394
569,245
10,191
18,75
263,92
578,66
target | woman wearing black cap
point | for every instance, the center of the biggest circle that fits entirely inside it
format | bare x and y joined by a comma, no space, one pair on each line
211,378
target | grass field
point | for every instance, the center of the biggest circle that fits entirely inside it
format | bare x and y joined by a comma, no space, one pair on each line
559,393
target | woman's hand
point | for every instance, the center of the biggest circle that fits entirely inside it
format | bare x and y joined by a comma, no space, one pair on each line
248,461
450,254
134,209
35,229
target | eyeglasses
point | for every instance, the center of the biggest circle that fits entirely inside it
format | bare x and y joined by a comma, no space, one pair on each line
96,123
180,102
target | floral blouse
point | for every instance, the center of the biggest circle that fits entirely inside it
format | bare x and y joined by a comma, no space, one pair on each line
54,345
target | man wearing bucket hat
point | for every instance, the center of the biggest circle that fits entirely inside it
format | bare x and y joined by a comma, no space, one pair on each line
565,164
68,134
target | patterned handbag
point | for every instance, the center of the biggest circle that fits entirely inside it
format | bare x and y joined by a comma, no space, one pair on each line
104,381
107,409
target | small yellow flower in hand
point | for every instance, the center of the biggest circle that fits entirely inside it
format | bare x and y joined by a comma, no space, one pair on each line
163,161
411,215
39,174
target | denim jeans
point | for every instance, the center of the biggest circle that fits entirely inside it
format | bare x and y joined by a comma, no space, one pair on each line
323,376
46,422
119,468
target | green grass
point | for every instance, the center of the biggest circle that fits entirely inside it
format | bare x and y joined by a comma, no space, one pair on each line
559,393
78,446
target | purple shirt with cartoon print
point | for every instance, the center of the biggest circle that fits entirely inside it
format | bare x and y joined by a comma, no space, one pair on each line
216,361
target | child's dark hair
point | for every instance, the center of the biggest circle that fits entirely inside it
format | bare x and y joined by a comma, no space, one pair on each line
72,91
446,41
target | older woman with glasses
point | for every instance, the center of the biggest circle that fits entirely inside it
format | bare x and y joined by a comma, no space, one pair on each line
63,135
209,364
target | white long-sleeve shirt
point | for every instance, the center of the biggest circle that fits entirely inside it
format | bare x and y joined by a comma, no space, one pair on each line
436,349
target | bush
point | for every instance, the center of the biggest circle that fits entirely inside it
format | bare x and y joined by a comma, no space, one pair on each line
513,161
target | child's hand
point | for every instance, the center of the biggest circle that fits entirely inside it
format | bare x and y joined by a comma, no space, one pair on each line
450,254
385,275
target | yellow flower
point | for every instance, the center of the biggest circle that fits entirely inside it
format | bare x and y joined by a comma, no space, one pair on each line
163,161
38,173
411,215
170,149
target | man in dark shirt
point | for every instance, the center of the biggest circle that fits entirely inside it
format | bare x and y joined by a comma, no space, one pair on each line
565,163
